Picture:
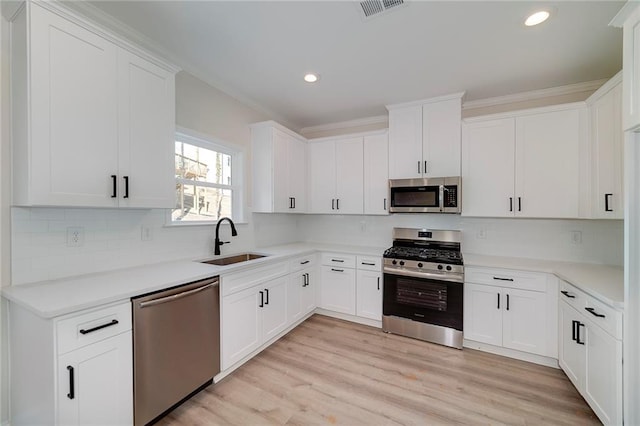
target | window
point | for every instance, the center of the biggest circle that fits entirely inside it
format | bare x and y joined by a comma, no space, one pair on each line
208,180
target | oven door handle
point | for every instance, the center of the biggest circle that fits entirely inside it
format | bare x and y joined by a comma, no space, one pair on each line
422,274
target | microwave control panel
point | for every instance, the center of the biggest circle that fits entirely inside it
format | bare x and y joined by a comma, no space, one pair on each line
450,196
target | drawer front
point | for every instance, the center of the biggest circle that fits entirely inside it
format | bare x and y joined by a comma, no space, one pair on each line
238,281
509,278
302,262
604,316
339,260
369,263
572,296
83,329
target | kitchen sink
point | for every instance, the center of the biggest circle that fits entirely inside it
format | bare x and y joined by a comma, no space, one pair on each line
230,260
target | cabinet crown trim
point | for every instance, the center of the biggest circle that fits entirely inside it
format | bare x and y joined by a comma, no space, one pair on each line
458,95
605,88
523,112
276,125
350,136
627,10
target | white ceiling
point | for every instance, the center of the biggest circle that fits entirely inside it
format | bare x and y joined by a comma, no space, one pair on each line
258,51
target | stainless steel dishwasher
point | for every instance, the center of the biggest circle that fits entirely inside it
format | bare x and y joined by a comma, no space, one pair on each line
176,346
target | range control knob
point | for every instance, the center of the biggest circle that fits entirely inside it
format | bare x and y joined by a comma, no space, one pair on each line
439,266
394,262
402,263
448,268
419,265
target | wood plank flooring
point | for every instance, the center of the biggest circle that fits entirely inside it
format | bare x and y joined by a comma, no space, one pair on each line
328,371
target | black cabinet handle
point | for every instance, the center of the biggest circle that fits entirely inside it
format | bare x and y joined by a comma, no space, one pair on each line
308,279
72,392
261,299
304,263
378,283
370,264
100,327
384,203
503,279
507,302
606,202
574,323
519,204
337,270
418,166
593,312
114,181
333,201
510,204
126,186
498,300
290,202
578,333
566,293
425,167
337,203
266,290
294,202
337,260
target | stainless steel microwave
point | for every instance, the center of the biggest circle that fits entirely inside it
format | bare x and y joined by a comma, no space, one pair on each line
428,195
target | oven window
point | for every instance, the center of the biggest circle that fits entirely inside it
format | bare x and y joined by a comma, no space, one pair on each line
423,295
416,197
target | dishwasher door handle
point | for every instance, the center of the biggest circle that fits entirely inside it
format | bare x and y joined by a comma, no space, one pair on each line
175,296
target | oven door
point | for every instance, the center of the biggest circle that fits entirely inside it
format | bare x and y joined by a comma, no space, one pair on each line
416,195
426,300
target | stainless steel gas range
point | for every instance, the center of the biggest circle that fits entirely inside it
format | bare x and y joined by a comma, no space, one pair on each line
423,286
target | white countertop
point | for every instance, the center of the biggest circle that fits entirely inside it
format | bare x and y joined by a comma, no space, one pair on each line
53,298
604,282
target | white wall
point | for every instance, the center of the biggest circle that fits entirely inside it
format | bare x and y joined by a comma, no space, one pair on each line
602,241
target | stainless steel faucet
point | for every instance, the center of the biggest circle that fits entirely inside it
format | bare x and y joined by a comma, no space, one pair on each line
218,243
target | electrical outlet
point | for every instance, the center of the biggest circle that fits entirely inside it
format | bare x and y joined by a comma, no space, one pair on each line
576,237
146,234
75,236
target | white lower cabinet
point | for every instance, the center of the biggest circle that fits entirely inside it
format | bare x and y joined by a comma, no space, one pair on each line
274,308
590,355
338,292
511,309
301,294
75,369
369,295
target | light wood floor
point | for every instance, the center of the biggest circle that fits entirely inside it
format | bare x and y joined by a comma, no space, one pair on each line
328,371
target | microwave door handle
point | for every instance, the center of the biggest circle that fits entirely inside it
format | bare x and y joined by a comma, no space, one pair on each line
441,197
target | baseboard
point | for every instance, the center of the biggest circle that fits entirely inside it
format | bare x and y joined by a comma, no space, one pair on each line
511,353
351,318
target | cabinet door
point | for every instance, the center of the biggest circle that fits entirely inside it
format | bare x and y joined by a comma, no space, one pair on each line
146,133
376,174
296,284
241,323
483,314
488,167
349,176
405,142
297,176
101,375
631,71
523,321
571,355
608,155
603,378
281,194
310,291
74,114
441,138
322,177
338,289
547,164
274,311
369,295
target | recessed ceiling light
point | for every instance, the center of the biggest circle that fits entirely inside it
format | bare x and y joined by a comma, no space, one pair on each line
537,18
311,77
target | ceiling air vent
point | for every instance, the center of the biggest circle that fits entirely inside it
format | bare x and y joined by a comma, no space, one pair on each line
372,8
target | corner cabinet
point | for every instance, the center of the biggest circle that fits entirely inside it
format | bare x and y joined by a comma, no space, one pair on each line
93,122
72,370
424,138
279,169
530,163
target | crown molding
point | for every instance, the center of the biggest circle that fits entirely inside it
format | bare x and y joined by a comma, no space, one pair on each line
276,125
523,112
104,19
535,94
459,95
623,14
380,119
610,84
349,135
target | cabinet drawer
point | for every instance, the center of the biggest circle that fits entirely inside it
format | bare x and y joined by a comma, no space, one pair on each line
572,296
90,327
340,260
237,281
605,316
369,263
510,278
302,262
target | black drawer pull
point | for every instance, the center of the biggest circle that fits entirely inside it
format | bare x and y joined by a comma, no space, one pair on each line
114,181
72,393
566,293
337,270
126,187
266,290
593,312
503,279
337,260
578,333
304,263
100,327
574,323
370,264
261,299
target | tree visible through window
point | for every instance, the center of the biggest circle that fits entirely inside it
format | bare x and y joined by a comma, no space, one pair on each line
204,190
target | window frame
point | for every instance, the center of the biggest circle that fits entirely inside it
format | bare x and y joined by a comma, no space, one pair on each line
237,187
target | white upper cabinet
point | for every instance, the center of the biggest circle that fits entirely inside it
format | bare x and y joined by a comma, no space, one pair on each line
607,150
86,113
526,164
376,174
336,174
424,138
279,169
629,19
